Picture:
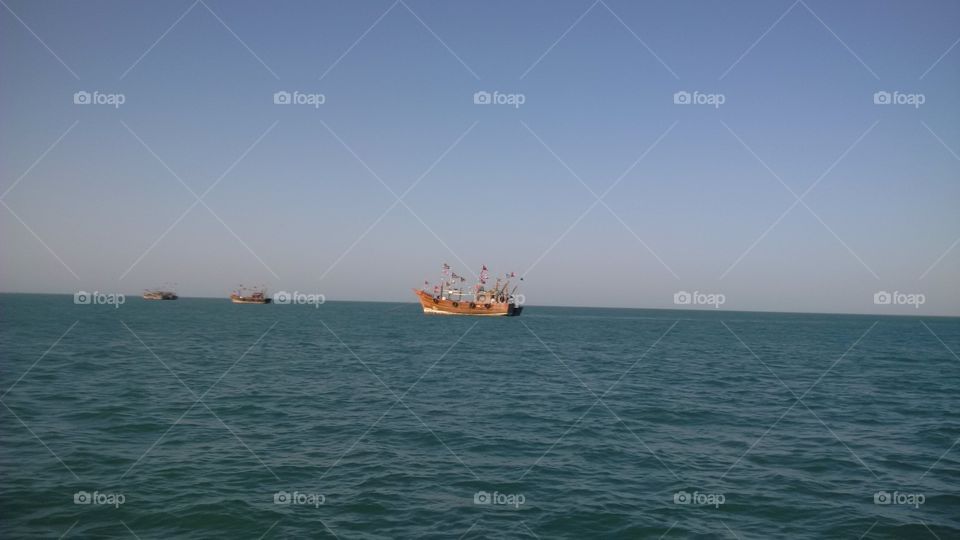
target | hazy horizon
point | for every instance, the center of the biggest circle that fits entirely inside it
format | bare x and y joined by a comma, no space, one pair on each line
671,307
806,179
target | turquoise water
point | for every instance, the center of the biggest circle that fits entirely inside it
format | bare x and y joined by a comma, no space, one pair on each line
385,423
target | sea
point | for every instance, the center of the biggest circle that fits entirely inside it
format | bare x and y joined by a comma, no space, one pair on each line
198,418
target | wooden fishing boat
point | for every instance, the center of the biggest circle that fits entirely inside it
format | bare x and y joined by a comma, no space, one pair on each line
449,298
254,296
159,294
445,306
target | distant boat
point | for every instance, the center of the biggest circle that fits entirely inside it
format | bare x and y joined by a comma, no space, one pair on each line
156,294
449,297
250,296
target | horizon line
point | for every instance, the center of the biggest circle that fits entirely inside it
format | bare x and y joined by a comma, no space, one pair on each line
702,310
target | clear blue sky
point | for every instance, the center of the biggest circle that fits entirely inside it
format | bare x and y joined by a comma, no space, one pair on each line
798,90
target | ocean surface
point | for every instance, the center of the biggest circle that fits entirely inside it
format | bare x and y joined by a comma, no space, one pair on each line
199,418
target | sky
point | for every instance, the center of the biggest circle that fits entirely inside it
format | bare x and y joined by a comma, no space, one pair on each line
631,152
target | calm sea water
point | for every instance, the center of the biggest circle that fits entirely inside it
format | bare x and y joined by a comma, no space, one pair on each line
189,418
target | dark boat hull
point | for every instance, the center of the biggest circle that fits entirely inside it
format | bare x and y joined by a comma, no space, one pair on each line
236,299
160,296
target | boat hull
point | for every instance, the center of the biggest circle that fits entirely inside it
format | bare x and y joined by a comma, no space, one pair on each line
160,296
247,300
438,306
